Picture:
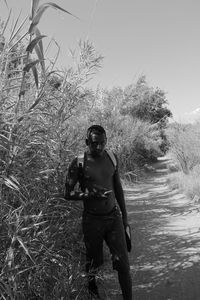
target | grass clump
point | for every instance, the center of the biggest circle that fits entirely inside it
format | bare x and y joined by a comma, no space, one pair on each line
184,152
189,183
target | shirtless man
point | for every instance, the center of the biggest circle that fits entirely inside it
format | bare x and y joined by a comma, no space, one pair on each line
103,199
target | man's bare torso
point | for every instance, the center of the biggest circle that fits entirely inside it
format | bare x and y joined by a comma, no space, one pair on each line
98,174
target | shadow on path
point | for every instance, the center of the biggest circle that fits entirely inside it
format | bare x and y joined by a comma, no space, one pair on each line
166,240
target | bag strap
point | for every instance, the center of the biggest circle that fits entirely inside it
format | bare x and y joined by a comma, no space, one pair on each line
112,157
80,165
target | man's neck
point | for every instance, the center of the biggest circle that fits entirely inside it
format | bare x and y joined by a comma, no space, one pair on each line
96,156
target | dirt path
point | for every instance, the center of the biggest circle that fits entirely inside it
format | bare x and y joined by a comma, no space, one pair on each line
166,241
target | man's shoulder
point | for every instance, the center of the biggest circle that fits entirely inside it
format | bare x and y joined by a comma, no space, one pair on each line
112,156
73,163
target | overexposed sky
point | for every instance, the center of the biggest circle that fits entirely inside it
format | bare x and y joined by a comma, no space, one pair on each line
156,38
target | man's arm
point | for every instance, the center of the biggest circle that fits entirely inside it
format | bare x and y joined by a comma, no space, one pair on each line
71,181
119,194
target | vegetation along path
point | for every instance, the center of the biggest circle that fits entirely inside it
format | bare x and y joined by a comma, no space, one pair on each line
166,241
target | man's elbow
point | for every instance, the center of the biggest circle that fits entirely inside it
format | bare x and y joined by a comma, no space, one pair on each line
67,192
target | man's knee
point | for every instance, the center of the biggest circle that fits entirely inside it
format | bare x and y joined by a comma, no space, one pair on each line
121,265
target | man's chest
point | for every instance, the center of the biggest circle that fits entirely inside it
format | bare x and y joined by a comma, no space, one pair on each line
98,169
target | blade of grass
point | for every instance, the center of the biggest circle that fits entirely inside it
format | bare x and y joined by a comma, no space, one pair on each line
6,23
5,1
9,183
18,30
34,42
19,40
25,248
35,74
30,65
37,33
41,57
15,25
40,12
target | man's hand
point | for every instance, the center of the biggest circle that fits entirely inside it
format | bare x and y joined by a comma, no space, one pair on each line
125,221
98,193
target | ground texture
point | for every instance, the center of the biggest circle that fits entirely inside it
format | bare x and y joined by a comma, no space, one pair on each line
165,259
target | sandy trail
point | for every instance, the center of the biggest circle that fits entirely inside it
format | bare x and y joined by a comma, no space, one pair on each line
166,241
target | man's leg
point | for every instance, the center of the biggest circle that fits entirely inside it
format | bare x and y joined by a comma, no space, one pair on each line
91,278
93,238
115,239
125,284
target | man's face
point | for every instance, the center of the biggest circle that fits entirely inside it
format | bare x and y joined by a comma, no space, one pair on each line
96,144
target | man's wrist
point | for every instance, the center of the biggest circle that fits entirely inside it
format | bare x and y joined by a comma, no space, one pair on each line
74,195
125,219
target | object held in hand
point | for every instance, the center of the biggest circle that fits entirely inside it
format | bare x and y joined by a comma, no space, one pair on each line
128,238
108,192
99,193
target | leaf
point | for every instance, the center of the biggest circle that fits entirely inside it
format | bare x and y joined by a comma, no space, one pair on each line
15,25
40,44
40,12
25,248
35,74
6,23
34,7
14,34
19,40
9,183
41,57
32,106
4,142
40,223
34,42
47,171
6,3
30,65
14,179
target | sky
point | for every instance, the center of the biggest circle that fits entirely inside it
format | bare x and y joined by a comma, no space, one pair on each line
156,38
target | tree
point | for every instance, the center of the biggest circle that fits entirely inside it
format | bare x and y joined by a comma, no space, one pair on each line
146,103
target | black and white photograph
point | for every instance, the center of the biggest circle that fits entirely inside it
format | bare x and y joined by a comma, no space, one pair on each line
99,150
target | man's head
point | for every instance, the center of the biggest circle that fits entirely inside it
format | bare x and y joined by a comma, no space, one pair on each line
96,140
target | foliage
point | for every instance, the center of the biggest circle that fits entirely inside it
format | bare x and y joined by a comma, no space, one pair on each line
188,184
146,103
39,256
149,105
184,140
135,140
44,113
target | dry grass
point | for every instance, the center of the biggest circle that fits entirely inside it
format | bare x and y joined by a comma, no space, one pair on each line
189,184
41,249
185,155
184,145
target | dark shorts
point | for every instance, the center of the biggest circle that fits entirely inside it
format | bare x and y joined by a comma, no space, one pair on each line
110,228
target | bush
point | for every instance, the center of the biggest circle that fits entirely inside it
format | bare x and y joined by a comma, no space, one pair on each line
189,183
184,147
134,140
41,248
